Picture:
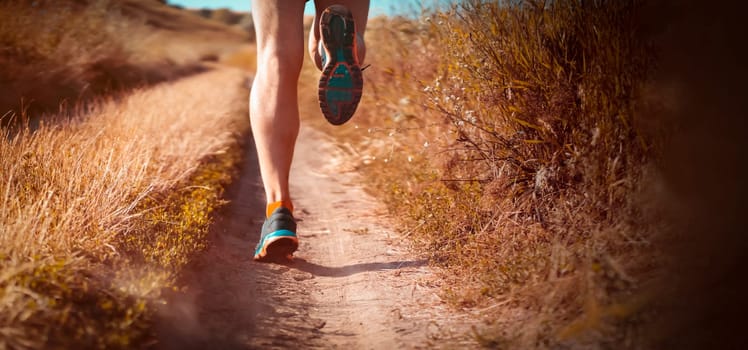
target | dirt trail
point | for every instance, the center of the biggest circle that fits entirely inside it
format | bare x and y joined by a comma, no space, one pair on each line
353,283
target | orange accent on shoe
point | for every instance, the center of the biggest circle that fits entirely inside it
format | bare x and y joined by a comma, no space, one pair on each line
275,205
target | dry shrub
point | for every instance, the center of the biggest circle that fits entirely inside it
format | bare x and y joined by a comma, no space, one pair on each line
102,209
514,140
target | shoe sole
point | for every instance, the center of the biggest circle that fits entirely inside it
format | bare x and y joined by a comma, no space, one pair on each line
341,82
278,248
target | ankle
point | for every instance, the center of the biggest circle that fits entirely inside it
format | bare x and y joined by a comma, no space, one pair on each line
271,207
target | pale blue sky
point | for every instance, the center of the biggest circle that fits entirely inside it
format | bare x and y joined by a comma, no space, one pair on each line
377,7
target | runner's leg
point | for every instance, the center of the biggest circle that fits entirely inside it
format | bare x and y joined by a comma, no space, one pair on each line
274,110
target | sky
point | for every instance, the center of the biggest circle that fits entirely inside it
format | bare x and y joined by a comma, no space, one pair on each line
377,7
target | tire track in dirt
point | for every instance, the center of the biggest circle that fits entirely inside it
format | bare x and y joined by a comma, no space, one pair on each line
353,283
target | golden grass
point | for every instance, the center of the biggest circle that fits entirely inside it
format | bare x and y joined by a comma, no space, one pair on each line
59,52
103,203
101,210
516,146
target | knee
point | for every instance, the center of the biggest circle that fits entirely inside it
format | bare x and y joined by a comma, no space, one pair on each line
283,62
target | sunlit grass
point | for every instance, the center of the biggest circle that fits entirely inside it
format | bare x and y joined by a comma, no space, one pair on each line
515,144
101,210
104,202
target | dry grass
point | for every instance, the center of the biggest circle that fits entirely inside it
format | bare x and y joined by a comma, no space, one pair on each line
54,52
517,145
101,210
104,202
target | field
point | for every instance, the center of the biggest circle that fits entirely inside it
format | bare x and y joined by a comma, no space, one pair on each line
569,168
92,48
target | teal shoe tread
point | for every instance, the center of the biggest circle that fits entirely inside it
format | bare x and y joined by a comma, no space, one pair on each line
341,82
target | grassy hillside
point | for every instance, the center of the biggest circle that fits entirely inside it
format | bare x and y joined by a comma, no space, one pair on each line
239,20
519,144
59,52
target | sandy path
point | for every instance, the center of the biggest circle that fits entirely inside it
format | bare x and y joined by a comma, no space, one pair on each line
353,283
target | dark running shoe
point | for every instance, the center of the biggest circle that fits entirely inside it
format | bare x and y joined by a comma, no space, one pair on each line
278,238
341,82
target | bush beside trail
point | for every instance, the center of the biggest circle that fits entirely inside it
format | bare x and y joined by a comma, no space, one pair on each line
519,144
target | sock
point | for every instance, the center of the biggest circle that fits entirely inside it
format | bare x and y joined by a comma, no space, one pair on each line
275,205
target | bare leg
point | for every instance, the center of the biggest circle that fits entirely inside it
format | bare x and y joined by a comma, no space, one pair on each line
274,110
360,11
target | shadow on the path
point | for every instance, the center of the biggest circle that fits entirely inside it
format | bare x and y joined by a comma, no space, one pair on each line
302,264
232,302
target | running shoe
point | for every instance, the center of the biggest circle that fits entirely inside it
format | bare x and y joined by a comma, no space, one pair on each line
278,238
341,82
